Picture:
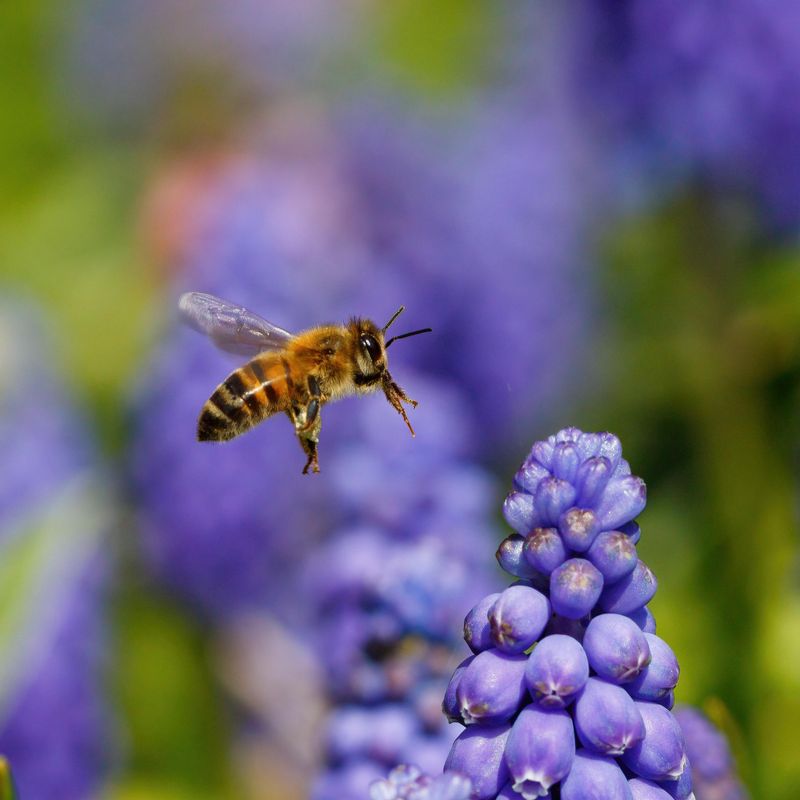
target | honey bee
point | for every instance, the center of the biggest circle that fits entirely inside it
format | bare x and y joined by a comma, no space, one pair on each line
294,374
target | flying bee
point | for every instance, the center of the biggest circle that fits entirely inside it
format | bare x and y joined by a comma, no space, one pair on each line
294,374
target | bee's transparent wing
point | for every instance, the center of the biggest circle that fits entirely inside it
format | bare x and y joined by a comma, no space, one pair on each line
231,328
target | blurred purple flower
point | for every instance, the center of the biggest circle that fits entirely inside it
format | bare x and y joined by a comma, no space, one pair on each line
698,90
55,726
713,768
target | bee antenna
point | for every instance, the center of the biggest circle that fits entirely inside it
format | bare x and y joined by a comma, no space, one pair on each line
394,317
406,335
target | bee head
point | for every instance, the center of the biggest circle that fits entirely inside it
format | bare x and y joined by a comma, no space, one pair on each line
370,351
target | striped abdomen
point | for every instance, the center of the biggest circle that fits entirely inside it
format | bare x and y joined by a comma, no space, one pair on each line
246,397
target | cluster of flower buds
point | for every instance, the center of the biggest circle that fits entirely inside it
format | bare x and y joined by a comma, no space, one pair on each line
409,783
713,769
569,652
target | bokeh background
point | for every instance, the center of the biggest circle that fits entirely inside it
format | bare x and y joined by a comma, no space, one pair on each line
596,206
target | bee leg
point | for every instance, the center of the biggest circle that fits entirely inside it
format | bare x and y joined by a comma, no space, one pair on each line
396,396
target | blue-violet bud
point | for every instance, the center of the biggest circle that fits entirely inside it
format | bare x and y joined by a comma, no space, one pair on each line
614,554
478,754
556,671
660,676
477,631
492,687
518,618
631,592
575,587
606,718
616,647
545,550
595,777
540,750
661,755
578,528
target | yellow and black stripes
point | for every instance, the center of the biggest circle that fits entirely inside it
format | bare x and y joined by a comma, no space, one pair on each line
246,397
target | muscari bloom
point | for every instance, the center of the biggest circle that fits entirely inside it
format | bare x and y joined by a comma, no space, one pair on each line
55,725
388,590
699,91
409,783
713,768
586,711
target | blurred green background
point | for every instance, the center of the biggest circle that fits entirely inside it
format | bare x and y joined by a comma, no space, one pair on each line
695,366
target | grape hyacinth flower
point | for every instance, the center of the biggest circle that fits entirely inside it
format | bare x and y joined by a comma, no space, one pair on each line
698,90
409,783
388,590
55,725
713,769
573,701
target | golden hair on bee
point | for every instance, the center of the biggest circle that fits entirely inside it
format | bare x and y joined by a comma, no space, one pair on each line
292,374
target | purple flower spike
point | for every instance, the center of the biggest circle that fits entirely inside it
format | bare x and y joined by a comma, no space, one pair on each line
623,499
578,528
492,687
616,647
606,718
614,554
556,671
518,511
477,631
595,777
575,587
511,557
593,477
660,676
545,550
631,592
553,497
478,754
540,750
647,790
661,755
450,705
518,618
644,618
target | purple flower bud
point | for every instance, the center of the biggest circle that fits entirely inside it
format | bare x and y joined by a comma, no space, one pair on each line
540,750
578,528
606,718
565,462
595,777
644,618
647,790
492,687
593,477
545,550
631,592
660,676
529,476
518,618
556,671
575,587
518,511
614,554
622,500
511,557
661,755
450,705
553,497
616,647
477,631
478,754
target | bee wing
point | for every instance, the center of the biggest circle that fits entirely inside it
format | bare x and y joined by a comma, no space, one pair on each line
231,328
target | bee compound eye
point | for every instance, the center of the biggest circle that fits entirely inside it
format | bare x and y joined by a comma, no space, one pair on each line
370,344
